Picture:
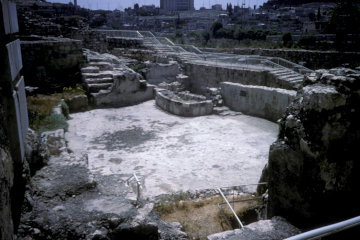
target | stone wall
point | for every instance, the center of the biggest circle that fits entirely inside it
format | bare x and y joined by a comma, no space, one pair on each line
52,63
93,40
176,104
265,102
162,72
313,170
115,42
202,76
311,59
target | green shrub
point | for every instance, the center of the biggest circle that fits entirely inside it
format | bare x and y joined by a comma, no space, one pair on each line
52,122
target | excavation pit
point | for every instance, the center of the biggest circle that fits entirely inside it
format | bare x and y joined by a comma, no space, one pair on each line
170,153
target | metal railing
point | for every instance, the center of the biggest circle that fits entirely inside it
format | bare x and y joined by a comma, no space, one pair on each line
138,185
120,33
234,201
327,230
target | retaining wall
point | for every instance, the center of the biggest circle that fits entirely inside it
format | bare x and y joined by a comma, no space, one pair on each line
162,72
116,42
52,63
203,76
265,102
93,40
311,59
182,108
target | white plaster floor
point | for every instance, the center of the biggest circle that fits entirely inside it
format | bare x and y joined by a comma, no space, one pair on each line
171,153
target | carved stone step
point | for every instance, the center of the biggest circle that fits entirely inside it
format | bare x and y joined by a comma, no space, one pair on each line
96,87
90,70
98,80
104,74
103,66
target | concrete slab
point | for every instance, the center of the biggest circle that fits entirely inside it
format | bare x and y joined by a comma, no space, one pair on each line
171,153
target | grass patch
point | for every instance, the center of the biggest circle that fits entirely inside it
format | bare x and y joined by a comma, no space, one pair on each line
41,116
202,217
40,109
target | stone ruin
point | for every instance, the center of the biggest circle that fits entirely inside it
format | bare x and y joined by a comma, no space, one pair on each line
312,165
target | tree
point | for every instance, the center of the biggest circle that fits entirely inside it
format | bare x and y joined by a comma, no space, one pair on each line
136,8
312,16
205,35
215,27
229,9
287,39
318,16
344,20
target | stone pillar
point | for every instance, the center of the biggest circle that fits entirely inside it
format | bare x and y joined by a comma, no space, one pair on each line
14,122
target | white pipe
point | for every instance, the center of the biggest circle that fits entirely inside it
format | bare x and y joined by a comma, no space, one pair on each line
232,210
327,230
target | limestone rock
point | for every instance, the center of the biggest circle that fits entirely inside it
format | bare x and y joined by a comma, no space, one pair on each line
162,72
36,151
114,84
55,141
273,229
77,103
313,166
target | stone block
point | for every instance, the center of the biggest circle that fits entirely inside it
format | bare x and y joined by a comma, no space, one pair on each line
10,17
24,120
18,121
78,103
266,102
15,58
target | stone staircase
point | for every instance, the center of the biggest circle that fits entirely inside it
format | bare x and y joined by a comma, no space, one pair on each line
110,82
97,75
288,78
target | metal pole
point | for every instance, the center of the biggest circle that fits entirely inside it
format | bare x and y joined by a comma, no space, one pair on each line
138,186
232,210
327,230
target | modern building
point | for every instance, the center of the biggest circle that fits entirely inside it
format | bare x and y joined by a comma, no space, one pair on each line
217,7
176,5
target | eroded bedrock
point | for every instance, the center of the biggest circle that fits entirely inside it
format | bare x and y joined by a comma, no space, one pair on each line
171,153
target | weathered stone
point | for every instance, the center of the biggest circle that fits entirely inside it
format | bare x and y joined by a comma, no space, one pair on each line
118,87
51,63
162,72
265,102
313,165
36,151
77,103
55,141
183,103
273,229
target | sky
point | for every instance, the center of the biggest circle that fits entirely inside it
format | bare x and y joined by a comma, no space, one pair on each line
122,4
